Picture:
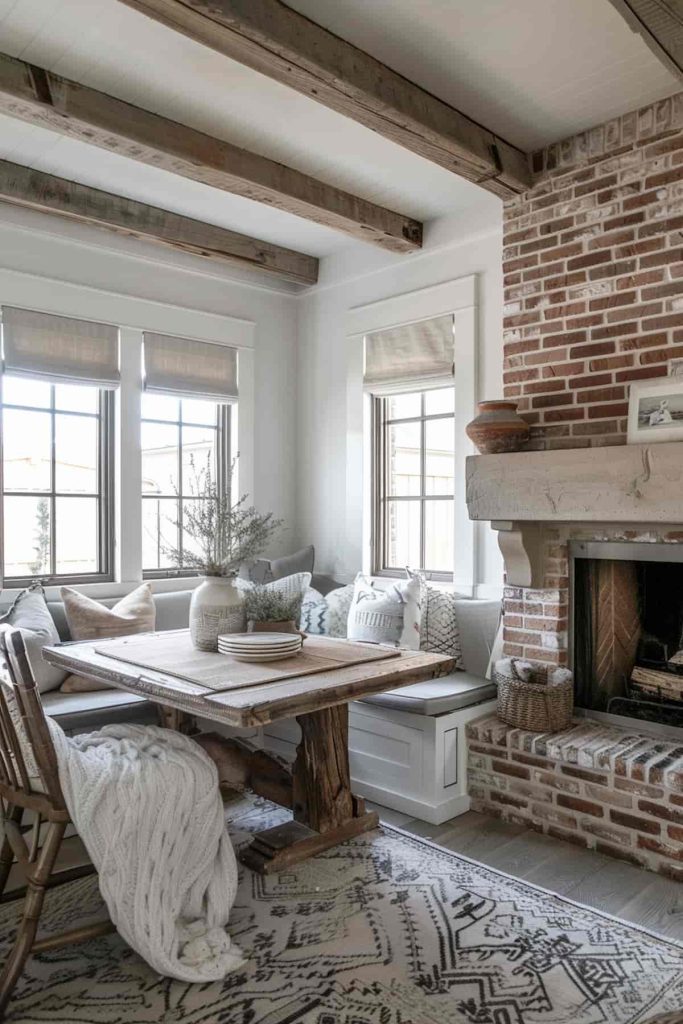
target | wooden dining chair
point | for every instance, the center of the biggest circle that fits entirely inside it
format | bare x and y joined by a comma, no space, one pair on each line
29,783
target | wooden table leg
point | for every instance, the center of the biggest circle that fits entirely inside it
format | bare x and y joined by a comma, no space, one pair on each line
179,721
325,810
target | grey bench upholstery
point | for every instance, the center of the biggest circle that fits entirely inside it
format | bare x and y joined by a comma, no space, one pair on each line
478,622
437,696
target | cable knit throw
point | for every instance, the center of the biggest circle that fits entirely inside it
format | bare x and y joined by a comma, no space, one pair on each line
146,804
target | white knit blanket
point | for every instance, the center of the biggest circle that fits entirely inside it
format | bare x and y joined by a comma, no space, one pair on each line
146,804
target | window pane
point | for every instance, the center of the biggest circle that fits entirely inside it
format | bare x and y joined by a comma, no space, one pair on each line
76,535
160,407
403,534
76,398
76,443
403,458
438,536
403,406
159,458
191,510
19,391
439,401
439,456
27,536
159,531
199,454
196,411
27,450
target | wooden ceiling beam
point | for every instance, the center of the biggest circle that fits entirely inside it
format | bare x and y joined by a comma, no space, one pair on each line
283,44
21,186
660,23
35,95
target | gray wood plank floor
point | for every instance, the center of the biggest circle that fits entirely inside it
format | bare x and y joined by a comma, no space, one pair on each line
637,896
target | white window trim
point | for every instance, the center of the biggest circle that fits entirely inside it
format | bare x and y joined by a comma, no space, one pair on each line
133,316
459,298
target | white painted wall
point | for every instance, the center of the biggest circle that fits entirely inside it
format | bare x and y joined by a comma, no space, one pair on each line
296,445
454,248
50,264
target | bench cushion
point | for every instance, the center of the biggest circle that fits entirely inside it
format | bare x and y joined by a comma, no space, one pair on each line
437,696
84,711
478,624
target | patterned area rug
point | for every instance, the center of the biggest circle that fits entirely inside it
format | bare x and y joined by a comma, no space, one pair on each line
386,929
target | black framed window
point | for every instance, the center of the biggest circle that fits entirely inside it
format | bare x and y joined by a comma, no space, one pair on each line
180,437
57,471
414,464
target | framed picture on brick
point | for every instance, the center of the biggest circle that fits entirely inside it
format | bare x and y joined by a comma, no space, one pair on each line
655,411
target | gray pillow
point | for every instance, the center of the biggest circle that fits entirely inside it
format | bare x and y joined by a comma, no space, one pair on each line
30,614
265,570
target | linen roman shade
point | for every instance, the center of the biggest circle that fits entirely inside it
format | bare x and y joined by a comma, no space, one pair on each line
182,366
412,357
59,348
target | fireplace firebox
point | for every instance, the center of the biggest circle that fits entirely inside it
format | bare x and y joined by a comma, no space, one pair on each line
626,631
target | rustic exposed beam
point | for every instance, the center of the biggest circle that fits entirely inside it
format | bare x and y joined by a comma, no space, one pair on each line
660,23
283,44
36,95
22,186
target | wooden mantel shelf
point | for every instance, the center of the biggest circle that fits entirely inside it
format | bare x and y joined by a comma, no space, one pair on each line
624,484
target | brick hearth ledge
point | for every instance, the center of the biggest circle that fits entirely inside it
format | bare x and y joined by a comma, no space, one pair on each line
597,786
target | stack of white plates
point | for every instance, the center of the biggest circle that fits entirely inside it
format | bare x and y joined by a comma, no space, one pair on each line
259,646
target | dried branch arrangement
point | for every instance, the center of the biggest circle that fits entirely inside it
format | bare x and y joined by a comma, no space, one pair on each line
223,535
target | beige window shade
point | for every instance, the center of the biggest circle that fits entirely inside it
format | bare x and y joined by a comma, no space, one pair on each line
414,356
181,366
59,348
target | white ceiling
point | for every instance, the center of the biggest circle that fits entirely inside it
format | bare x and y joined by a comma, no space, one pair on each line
532,70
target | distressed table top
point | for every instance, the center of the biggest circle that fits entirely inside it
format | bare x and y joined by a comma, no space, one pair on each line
253,704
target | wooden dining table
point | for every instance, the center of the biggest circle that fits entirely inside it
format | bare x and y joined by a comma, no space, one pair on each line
313,686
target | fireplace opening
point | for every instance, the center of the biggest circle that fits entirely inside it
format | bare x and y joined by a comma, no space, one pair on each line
627,630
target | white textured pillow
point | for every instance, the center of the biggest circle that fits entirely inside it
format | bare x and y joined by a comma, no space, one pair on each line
90,620
31,615
328,615
386,613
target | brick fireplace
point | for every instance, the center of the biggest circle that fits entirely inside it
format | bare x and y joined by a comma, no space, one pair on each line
593,277
593,274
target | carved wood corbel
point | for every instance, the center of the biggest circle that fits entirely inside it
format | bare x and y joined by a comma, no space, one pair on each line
521,547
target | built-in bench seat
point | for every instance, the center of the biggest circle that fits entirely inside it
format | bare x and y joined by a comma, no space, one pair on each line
407,746
615,790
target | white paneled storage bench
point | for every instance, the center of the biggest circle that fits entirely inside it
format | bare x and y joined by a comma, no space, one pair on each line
407,746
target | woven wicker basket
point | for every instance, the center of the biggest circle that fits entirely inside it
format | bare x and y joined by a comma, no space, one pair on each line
538,707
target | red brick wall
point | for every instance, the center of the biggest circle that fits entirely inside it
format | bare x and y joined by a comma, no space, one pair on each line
593,265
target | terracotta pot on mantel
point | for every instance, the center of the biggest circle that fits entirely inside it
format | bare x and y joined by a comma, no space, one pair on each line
498,428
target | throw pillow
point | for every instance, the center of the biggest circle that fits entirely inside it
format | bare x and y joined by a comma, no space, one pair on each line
386,613
439,631
328,615
90,620
288,586
265,570
31,615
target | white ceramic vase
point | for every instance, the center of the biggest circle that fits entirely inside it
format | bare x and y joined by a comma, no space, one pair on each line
216,607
